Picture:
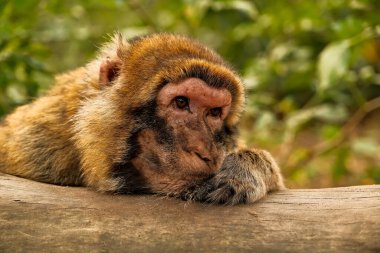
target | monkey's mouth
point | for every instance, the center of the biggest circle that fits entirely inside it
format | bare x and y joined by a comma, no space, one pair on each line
201,175
210,163
198,166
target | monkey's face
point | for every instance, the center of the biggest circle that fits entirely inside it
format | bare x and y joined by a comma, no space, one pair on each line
185,142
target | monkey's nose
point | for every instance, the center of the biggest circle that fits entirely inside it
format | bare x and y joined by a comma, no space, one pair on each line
203,157
208,160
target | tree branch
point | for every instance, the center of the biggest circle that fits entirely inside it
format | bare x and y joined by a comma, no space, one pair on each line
37,217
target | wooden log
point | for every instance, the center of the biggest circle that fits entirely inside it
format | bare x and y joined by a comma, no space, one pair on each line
37,217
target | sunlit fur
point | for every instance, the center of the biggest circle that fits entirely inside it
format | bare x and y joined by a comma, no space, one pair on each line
82,128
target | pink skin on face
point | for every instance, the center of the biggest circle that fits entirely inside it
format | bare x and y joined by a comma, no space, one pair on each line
201,97
195,123
194,126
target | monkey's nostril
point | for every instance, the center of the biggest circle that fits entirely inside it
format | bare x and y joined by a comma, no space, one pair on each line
204,158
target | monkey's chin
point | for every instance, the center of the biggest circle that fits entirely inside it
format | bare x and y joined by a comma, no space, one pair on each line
173,184
170,179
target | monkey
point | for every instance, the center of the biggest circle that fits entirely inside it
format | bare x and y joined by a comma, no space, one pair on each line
154,114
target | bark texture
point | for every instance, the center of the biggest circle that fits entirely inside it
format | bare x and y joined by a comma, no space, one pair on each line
37,217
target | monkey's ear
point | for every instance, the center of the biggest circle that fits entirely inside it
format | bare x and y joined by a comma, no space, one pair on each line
109,71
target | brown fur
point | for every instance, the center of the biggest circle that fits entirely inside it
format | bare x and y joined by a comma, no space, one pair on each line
83,131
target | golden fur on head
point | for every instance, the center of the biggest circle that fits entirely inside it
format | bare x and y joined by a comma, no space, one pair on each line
151,61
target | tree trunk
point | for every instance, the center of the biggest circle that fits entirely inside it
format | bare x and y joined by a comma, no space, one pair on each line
37,217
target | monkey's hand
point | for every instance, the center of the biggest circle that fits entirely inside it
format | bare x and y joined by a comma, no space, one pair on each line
245,177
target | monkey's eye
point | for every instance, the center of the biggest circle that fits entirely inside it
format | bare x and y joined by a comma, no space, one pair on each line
216,112
182,102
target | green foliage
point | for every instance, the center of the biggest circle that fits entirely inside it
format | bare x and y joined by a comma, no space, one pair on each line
312,68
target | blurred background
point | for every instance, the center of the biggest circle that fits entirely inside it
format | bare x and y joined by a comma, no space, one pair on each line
312,68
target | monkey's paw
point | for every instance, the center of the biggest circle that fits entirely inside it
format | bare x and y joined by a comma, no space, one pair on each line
245,177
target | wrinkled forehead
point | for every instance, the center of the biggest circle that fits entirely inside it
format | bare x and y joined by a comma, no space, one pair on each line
196,90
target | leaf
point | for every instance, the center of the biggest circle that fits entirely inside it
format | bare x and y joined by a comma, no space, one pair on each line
243,6
339,168
365,146
329,132
331,113
332,64
265,120
324,112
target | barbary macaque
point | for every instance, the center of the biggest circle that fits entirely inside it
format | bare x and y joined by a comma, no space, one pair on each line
155,114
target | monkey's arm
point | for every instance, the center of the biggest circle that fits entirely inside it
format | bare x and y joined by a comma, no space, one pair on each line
245,177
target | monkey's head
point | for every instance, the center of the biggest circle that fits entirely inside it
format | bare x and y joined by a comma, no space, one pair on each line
165,114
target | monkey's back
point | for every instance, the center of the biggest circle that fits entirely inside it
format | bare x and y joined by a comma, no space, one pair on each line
36,139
